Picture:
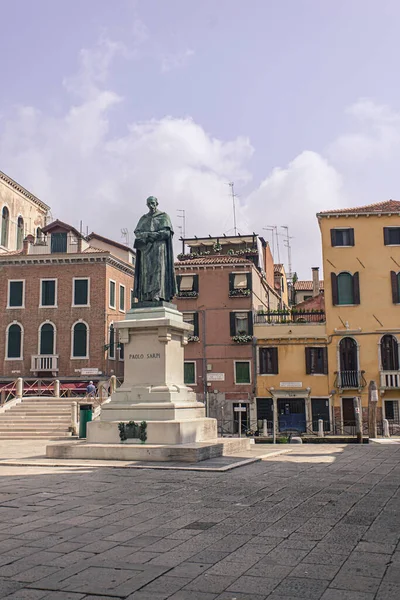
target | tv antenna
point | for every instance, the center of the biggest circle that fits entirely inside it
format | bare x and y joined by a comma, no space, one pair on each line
125,235
231,185
182,215
289,249
275,234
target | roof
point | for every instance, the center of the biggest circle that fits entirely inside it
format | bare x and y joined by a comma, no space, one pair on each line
305,286
93,250
12,183
97,236
317,302
278,268
58,223
214,260
386,207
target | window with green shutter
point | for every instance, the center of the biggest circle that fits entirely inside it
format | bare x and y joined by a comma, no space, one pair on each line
48,297
122,298
80,336
16,294
112,294
242,372
14,341
81,292
189,373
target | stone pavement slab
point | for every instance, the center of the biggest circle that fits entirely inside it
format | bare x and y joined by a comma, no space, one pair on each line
319,522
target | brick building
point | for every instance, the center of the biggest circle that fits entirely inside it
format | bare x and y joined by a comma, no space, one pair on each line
222,282
59,297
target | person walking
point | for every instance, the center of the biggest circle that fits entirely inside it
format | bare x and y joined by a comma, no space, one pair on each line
91,390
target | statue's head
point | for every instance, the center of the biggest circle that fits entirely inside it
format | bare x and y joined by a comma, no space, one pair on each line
152,203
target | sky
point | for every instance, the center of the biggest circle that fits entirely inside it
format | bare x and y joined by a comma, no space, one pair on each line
105,102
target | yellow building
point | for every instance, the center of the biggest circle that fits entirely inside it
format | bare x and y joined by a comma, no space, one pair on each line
311,367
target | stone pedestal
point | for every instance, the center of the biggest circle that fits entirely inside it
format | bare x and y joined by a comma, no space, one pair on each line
154,337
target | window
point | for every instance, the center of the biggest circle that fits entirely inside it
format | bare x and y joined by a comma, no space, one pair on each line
193,319
132,299
188,285
39,235
16,294
239,281
5,222
316,361
342,237
81,292
242,372
112,294
391,236
345,288
395,281
14,341
389,353
58,242
20,233
48,292
392,410
189,373
46,339
121,298
268,359
80,340
111,342
306,298
241,323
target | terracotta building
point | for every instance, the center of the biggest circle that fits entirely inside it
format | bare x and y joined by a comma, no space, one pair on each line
59,297
222,283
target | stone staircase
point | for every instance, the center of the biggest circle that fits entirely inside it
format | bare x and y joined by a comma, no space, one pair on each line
37,418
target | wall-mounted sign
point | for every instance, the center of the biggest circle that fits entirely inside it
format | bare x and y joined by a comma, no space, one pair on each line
290,384
90,371
215,376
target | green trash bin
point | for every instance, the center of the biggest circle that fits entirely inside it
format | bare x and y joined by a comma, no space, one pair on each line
85,415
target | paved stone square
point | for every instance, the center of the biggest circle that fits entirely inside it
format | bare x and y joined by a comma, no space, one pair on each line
322,522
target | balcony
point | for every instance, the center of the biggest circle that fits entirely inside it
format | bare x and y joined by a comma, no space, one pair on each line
390,380
277,317
44,362
350,380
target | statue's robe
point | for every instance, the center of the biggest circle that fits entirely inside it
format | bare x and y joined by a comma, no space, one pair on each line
154,270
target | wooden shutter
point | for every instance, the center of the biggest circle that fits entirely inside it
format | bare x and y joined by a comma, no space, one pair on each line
351,237
250,322
232,322
231,281
274,360
335,295
195,287
333,237
325,359
308,361
356,288
249,281
386,240
395,287
178,282
196,324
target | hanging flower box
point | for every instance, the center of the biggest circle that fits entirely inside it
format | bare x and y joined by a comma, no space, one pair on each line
239,293
187,294
193,338
242,339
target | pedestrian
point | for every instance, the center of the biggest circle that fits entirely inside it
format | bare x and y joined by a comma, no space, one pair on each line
91,390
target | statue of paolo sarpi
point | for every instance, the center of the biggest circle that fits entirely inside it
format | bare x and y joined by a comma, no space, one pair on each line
154,271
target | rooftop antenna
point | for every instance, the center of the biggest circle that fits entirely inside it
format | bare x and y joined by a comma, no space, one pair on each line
289,249
182,215
125,235
231,185
274,229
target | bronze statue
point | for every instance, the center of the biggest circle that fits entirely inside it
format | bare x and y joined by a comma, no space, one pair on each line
154,271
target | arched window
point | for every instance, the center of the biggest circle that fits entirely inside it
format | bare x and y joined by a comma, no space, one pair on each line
14,341
46,339
348,356
80,340
395,280
345,288
111,342
39,234
20,233
5,221
389,353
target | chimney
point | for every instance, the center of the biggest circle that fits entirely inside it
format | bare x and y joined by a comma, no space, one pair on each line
28,241
315,281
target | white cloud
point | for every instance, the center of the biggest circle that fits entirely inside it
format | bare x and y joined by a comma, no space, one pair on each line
170,62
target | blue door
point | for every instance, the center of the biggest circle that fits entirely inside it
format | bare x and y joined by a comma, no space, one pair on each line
291,414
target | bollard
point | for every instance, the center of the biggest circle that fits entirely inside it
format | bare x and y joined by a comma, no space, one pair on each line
386,432
74,417
265,428
57,388
113,384
320,428
19,391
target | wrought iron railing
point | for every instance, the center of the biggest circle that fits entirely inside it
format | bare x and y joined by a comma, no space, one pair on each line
290,316
350,380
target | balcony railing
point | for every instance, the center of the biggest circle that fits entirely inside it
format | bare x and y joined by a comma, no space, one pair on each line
274,317
44,362
390,380
350,380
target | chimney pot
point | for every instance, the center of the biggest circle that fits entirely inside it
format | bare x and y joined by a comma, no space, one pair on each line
315,281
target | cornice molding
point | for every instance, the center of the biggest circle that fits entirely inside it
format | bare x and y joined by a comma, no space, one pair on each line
16,186
66,259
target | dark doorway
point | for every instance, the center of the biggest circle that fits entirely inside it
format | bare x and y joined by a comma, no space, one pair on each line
389,353
349,418
348,363
320,410
291,414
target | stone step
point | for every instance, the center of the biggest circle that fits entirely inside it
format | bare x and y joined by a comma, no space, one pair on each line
22,428
37,436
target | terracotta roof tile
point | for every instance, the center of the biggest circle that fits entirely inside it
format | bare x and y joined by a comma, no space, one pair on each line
278,268
388,206
305,286
93,250
10,252
213,260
